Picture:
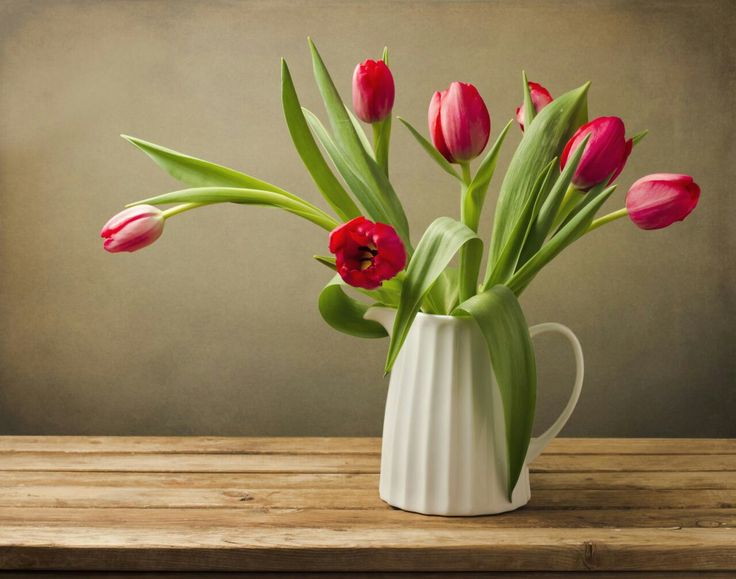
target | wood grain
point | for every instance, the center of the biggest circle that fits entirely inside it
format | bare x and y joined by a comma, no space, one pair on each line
289,505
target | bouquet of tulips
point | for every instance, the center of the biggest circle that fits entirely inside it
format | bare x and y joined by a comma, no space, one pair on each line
561,174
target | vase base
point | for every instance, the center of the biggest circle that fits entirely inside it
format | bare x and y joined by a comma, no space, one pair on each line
448,510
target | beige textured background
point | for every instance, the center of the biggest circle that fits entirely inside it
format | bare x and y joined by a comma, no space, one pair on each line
215,330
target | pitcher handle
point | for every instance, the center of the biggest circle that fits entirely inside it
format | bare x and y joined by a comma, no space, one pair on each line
537,445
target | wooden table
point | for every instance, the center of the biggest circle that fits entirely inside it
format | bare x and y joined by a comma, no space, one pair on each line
311,504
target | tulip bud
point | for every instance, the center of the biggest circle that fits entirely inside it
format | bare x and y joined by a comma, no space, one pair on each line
373,91
459,123
367,253
133,229
605,154
658,200
540,99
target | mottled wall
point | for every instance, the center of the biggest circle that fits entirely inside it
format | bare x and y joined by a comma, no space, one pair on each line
215,330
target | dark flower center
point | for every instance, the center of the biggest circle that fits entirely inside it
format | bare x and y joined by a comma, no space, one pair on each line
366,253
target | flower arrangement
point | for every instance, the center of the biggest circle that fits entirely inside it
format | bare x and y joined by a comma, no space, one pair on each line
561,174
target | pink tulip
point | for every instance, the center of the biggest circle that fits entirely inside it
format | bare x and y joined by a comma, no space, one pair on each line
133,228
373,91
605,154
540,99
459,123
658,200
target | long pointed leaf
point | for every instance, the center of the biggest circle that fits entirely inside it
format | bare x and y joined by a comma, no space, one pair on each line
543,223
361,191
345,314
501,320
544,139
360,132
347,138
198,172
509,257
326,182
434,154
564,237
442,240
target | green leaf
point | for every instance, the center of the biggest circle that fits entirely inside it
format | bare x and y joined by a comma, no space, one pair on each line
326,182
246,197
430,149
381,141
442,297
199,173
360,132
389,292
443,238
542,225
476,192
501,320
544,139
326,260
354,182
569,232
509,257
473,198
529,110
348,140
345,314
637,138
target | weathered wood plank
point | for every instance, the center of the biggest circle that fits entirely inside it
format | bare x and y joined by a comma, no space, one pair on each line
336,445
208,518
376,549
347,463
539,480
241,497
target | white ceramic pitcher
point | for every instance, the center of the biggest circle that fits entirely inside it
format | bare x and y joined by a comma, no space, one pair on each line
444,444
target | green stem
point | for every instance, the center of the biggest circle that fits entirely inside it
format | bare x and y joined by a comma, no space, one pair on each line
470,254
181,209
607,219
467,177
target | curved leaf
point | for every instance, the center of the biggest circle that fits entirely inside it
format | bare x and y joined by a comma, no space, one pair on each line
326,182
501,320
443,238
244,196
345,314
509,258
198,172
564,237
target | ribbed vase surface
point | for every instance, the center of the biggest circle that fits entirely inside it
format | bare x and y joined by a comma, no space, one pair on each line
443,449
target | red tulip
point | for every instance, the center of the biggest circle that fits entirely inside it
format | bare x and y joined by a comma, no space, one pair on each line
373,91
367,253
459,123
133,229
658,200
605,154
540,99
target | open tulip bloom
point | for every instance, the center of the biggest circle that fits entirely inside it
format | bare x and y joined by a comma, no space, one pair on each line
557,181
